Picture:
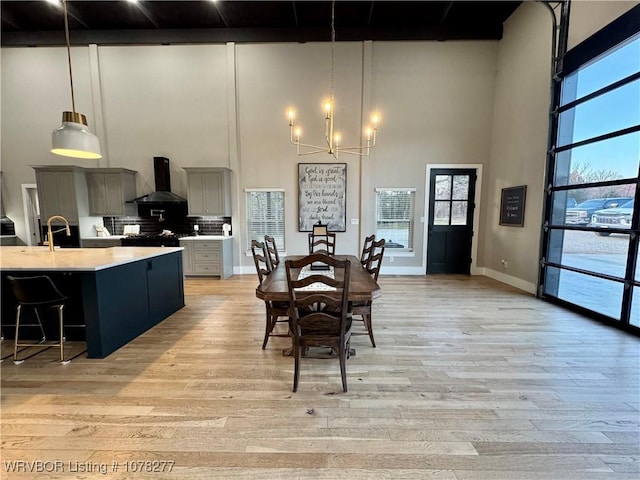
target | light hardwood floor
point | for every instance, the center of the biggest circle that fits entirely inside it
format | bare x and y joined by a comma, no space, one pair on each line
471,380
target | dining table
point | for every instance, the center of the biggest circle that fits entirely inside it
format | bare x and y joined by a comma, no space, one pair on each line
362,287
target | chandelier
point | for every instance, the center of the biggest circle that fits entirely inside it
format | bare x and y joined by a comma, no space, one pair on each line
332,137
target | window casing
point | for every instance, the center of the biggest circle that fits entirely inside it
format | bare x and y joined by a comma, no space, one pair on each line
265,216
395,212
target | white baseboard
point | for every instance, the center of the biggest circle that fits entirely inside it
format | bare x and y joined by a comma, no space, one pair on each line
509,280
388,270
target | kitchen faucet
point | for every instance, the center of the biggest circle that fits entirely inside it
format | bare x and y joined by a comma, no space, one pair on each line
50,233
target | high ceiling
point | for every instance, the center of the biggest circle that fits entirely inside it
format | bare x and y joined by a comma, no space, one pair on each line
41,22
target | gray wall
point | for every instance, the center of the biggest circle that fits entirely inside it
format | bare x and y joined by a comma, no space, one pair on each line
480,102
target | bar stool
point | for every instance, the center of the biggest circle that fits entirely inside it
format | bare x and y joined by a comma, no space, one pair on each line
37,292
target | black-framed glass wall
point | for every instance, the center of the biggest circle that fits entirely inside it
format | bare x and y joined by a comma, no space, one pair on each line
591,235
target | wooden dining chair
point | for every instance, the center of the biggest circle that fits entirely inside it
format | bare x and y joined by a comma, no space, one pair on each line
318,306
323,243
366,250
276,312
363,309
272,251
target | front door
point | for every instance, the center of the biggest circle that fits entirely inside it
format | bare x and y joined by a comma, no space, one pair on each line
450,227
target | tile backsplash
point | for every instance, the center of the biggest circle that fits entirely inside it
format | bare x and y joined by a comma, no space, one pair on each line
184,225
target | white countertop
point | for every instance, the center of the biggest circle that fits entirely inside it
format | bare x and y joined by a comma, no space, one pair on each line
76,259
207,237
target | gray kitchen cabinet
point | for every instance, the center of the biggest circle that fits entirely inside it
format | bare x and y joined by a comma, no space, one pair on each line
209,191
109,190
202,257
62,190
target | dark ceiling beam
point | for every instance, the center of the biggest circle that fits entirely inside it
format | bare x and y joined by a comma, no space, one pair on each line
295,13
75,15
8,18
219,10
370,14
256,35
148,15
445,12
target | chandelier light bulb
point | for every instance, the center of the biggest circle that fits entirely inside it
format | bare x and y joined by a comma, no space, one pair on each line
327,107
298,132
368,131
375,118
337,138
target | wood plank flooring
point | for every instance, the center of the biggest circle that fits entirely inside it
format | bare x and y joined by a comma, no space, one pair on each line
471,380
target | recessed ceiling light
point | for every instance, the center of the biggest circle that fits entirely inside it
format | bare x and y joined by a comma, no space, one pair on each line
55,2
132,1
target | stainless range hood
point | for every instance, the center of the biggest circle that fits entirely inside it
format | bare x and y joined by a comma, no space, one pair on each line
163,194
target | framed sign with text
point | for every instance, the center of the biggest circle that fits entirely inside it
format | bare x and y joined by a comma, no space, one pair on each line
512,206
322,196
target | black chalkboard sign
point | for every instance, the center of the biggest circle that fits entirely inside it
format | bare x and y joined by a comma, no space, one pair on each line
512,206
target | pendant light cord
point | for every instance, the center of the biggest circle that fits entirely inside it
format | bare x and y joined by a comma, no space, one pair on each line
333,47
66,31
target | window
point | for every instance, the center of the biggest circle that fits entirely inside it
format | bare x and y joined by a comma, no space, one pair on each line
265,215
394,217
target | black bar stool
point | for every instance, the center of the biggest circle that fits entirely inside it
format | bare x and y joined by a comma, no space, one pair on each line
37,292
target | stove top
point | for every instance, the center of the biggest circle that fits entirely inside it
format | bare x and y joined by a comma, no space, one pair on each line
153,240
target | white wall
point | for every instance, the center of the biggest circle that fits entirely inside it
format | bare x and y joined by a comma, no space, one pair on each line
519,138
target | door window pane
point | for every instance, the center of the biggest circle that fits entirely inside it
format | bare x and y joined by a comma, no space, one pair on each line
612,111
610,67
597,294
460,187
638,267
587,251
459,213
441,211
611,159
443,187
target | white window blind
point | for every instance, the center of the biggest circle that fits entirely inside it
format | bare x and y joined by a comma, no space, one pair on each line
394,217
265,216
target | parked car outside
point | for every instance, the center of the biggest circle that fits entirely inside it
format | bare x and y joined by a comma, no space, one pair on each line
581,213
571,202
619,217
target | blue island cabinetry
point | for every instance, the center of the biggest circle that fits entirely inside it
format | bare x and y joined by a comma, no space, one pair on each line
117,301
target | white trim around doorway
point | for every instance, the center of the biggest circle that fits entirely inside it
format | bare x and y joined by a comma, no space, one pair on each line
476,212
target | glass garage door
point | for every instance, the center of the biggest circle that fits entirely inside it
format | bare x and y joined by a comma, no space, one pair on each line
591,256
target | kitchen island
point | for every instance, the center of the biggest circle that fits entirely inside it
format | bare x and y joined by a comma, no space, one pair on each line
117,293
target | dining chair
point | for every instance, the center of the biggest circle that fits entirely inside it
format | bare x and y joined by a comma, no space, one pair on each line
272,251
318,305
366,250
276,312
322,243
36,293
363,309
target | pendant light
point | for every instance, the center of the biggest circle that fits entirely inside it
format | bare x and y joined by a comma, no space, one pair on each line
73,138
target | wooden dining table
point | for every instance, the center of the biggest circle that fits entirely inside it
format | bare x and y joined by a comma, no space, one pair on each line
361,286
